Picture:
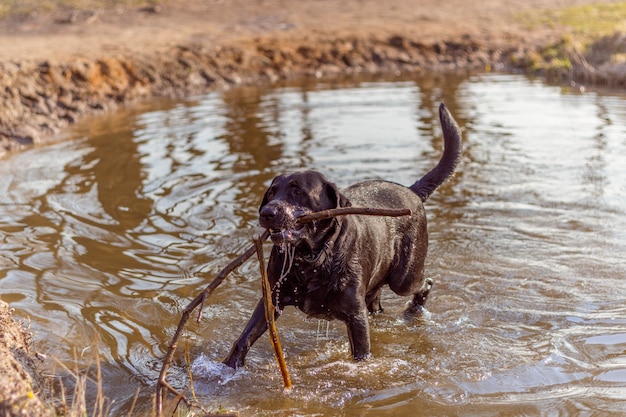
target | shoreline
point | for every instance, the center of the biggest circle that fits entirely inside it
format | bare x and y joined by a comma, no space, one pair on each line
49,96
59,66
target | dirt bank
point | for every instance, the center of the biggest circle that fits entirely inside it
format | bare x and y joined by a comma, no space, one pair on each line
60,64
17,366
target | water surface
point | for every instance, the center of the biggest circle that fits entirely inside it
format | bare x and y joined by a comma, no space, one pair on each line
106,238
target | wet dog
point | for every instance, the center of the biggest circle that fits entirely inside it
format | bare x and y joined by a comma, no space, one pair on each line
336,268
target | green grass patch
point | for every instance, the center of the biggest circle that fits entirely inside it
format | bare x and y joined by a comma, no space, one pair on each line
586,22
21,7
594,20
589,32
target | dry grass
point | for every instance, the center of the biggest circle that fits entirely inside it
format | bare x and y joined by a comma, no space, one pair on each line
73,402
84,395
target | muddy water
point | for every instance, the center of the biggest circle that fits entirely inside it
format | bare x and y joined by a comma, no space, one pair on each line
106,238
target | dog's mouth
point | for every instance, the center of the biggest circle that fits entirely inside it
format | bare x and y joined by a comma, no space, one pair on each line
291,235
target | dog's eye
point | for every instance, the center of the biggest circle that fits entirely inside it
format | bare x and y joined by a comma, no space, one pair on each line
295,190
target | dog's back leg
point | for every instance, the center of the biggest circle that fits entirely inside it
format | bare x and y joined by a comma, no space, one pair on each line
373,301
419,298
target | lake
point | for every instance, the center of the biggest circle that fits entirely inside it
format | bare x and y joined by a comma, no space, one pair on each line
106,237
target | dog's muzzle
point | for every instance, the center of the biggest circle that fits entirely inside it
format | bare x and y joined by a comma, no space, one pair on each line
281,220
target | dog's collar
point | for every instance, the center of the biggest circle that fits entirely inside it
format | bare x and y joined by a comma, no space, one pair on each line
321,256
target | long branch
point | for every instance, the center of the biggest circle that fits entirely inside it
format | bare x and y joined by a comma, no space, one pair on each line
343,211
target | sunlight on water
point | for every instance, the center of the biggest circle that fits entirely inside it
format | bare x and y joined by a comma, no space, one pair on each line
106,238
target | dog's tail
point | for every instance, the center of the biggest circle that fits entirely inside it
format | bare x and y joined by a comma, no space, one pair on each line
425,186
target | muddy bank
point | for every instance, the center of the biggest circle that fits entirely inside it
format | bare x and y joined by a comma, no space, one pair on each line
59,65
18,396
41,98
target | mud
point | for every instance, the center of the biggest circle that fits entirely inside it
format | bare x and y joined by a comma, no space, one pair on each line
18,366
40,99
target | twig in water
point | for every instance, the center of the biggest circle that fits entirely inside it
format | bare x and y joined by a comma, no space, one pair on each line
269,316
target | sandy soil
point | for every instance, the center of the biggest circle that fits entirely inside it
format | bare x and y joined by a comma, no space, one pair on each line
60,66
98,33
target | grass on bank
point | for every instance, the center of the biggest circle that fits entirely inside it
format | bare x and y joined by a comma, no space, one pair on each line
587,21
21,7
595,36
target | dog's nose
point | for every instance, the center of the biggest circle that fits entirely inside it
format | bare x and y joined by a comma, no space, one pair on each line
268,213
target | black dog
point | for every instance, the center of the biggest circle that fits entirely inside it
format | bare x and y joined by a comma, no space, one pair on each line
336,268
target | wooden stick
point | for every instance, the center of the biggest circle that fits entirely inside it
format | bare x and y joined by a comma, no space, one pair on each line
342,211
269,316
198,301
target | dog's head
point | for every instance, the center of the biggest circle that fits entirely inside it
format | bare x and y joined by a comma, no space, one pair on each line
291,196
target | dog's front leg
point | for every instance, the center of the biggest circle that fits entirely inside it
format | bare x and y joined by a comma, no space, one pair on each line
359,335
257,325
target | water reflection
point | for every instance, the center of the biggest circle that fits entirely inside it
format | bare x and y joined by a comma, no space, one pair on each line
106,238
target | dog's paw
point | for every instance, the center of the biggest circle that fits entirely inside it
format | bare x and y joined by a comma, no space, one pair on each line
376,311
362,357
415,312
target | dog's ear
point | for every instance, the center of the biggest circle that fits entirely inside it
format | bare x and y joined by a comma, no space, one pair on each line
264,201
337,199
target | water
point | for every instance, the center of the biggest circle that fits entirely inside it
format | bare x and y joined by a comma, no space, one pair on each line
106,238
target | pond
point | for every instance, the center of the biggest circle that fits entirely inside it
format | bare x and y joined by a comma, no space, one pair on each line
107,237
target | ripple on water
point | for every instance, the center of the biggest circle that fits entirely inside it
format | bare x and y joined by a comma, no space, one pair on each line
105,240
